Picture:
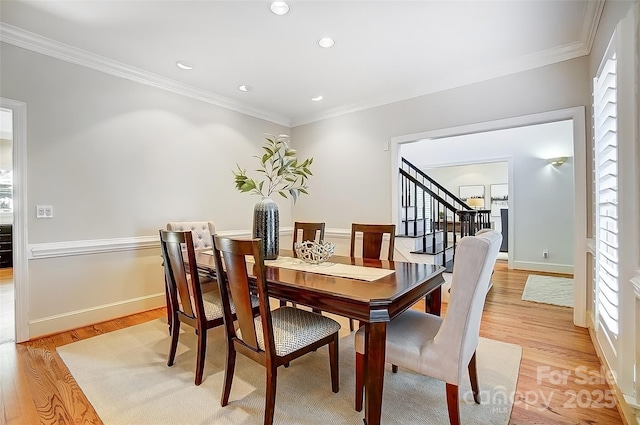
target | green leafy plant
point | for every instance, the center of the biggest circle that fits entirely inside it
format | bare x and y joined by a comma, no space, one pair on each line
282,171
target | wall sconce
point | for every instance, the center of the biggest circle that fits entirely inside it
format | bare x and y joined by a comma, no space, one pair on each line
557,161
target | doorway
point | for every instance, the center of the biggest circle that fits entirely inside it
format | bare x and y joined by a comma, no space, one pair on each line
7,289
19,271
544,168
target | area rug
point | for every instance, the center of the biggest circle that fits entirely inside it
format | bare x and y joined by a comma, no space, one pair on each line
549,290
125,377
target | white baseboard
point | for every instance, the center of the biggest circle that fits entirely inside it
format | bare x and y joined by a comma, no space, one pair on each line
97,314
543,267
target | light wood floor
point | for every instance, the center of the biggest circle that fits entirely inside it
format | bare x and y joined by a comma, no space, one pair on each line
36,387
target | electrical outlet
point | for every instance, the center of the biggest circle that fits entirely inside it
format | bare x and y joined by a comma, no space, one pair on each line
44,211
545,253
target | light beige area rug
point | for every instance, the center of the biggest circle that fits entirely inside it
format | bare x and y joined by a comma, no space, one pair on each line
549,290
125,377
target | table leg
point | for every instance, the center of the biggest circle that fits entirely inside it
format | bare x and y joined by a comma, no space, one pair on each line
433,302
375,346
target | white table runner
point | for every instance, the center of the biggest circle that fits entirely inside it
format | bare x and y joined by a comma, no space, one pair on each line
348,271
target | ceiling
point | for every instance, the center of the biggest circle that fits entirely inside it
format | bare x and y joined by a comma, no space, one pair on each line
384,51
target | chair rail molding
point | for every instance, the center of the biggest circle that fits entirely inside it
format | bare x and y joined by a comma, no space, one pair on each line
101,246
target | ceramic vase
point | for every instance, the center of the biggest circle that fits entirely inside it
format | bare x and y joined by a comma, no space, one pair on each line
266,223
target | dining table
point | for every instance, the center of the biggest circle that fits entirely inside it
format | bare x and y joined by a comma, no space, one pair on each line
371,291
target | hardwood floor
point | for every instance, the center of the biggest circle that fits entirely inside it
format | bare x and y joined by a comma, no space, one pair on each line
36,387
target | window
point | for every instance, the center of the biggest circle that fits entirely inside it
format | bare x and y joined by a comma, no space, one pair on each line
606,275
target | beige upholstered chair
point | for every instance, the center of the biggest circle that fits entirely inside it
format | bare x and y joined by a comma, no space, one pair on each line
273,338
444,348
201,230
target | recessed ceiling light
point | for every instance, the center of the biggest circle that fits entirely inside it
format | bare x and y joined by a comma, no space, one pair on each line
183,65
244,88
326,42
317,98
279,7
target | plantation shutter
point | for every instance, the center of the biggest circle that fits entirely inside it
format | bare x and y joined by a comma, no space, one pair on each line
606,281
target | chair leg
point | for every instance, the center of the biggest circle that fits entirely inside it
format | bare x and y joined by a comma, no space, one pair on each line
359,381
351,325
169,308
394,368
452,404
174,332
473,377
202,348
283,303
270,401
333,364
228,373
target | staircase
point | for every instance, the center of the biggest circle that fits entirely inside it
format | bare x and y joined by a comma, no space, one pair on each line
433,217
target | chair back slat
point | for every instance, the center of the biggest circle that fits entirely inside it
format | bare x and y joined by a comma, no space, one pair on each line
237,287
372,237
310,232
185,293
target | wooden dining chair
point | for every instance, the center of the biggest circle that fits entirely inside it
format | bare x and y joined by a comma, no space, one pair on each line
372,237
201,232
305,232
272,338
438,347
187,302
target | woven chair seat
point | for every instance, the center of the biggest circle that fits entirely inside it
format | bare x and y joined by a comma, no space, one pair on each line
213,305
294,328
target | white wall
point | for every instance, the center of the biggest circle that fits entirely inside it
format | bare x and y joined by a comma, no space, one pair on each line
118,159
541,195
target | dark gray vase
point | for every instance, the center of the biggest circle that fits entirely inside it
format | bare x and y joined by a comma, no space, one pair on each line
266,226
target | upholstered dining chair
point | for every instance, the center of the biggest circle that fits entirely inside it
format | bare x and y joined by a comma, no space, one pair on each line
272,338
372,237
187,303
443,348
201,231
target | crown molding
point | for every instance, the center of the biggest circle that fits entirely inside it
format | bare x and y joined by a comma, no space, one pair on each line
593,12
46,46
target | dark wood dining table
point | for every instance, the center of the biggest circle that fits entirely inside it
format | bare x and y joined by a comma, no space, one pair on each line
372,303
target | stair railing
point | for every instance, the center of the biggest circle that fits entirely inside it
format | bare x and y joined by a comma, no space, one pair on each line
424,213
428,207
